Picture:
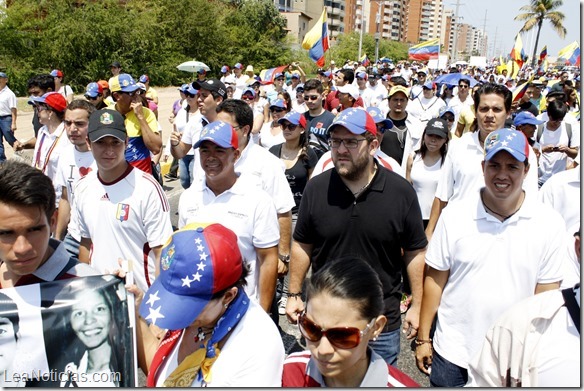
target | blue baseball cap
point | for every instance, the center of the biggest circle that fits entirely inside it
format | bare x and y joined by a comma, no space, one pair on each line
295,76
224,69
144,79
123,82
355,120
377,115
429,85
446,109
362,75
278,74
93,90
526,117
512,141
219,133
198,261
191,90
238,66
4,75
249,90
184,87
56,73
278,103
295,118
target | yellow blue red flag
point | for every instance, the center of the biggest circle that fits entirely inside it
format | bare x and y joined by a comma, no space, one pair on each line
424,51
571,54
316,40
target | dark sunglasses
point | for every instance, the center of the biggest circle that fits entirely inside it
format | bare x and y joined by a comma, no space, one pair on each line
462,86
341,337
279,79
310,97
189,95
277,110
247,97
289,126
448,118
92,97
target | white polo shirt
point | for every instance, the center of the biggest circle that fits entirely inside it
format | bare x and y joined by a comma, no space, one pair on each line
7,101
245,209
492,265
462,173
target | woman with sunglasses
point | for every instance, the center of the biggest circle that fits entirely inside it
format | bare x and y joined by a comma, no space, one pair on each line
271,132
344,311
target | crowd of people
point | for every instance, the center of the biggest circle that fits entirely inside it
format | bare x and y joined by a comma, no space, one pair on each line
346,201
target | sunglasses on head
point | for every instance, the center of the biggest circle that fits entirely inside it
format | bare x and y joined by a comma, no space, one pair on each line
341,337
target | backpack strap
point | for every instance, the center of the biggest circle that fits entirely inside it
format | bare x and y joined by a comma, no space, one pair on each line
572,306
539,132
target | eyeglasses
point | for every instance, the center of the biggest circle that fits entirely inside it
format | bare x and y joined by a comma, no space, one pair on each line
78,124
289,126
340,337
350,143
311,97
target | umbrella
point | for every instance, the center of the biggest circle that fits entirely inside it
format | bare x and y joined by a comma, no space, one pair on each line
453,79
192,66
385,60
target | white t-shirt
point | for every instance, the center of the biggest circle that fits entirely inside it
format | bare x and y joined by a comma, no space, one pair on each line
73,165
48,148
253,355
245,209
462,173
7,101
492,265
192,131
425,109
425,179
551,163
124,219
66,91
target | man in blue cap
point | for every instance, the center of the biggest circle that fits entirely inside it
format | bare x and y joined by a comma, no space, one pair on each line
357,208
497,236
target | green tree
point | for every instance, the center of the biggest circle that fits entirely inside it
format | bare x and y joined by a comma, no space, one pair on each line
346,47
534,15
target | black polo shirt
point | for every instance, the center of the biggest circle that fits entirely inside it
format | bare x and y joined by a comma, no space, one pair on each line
382,220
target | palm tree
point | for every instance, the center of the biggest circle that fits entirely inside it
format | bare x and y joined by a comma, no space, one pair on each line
534,15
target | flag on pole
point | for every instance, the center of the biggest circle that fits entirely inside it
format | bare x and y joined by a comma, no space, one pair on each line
543,54
316,40
424,51
521,89
364,60
267,75
571,54
517,53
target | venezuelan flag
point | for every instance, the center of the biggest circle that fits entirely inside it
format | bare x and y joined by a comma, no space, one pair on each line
571,53
520,90
543,54
517,53
267,75
424,50
316,40
364,60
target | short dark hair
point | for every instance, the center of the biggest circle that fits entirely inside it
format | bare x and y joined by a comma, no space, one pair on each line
9,310
23,185
348,75
314,84
83,105
493,88
349,278
44,81
557,110
241,110
465,81
398,80
559,95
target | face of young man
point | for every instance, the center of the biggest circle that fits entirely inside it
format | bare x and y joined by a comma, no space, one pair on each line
313,100
24,238
217,162
491,113
351,163
76,122
504,176
207,104
339,79
110,156
241,131
397,104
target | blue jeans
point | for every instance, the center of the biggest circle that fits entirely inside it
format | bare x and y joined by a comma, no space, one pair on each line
6,132
185,170
387,346
446,374
71,245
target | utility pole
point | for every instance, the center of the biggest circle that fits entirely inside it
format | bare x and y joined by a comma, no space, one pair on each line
495,42
362,28
455,51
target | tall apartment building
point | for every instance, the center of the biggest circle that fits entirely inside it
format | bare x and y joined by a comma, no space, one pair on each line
424,20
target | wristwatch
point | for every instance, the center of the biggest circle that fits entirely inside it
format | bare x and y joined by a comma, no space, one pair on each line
284,258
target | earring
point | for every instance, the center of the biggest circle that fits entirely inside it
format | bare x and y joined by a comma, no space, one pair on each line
225,305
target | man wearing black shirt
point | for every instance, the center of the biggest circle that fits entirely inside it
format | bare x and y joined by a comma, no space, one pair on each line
318,119
361,209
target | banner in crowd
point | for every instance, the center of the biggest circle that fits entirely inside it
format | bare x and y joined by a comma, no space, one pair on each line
68,333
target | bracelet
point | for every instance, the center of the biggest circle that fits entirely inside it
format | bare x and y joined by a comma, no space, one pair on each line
174,145
299,294
420,342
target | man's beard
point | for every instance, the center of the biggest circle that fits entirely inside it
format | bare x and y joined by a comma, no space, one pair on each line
354,171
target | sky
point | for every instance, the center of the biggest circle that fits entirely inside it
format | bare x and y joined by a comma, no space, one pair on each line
500,20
